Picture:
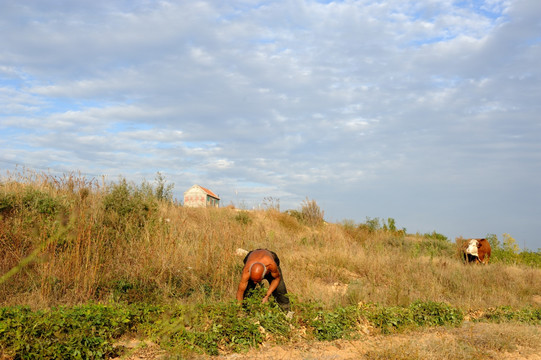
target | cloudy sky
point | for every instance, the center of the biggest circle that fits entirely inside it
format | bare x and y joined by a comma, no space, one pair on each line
425,111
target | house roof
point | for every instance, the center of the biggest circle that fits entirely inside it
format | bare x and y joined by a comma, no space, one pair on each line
210,193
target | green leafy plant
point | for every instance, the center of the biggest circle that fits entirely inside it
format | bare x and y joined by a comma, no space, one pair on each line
335,324
82,332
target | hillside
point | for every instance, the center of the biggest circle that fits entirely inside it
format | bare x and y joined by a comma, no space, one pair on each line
72,241
81,241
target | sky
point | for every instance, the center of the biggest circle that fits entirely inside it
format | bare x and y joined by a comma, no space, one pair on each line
425,111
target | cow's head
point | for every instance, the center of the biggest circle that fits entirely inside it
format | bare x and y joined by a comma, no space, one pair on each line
473,246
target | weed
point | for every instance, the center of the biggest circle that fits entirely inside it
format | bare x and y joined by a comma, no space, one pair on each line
312,215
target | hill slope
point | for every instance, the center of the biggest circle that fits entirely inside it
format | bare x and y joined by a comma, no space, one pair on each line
81,241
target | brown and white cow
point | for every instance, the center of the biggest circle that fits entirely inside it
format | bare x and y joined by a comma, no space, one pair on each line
476,250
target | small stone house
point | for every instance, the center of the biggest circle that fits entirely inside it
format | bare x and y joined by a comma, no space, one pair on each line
198,196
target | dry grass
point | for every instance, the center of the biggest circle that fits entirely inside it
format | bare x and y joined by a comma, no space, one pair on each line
169,253
473,341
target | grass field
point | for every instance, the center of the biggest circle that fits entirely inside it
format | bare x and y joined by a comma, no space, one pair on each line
129,251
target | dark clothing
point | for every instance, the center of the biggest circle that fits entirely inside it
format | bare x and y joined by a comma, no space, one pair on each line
280,293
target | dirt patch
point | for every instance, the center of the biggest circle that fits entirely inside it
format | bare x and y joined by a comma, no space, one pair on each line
140,350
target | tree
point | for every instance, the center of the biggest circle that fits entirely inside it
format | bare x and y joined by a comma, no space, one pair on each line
510,245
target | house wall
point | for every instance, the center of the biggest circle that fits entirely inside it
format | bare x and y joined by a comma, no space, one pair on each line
212,202
197,197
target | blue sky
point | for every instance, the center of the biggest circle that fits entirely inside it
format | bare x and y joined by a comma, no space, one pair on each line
424,111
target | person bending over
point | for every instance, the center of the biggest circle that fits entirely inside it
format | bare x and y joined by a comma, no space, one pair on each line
263,264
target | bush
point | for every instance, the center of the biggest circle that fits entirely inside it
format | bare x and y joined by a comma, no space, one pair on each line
530,258
129,202
42,202
295,214
125,199
243,217
434,235
371,224
509,252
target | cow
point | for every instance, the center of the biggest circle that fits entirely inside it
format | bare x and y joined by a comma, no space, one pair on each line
476,250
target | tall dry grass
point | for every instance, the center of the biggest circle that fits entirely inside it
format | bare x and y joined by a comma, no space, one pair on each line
86,240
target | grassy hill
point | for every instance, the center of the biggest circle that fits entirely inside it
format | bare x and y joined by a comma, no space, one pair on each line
71,241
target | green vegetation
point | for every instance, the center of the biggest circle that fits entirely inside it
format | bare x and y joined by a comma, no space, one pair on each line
92,331
508,252
83,264
81,332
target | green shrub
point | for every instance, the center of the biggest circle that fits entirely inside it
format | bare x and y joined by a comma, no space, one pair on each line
295,214
243,217
434,235
371,224
125,204
508,252
42,202
125,199
530,258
